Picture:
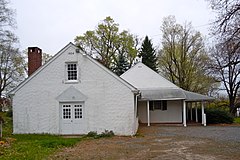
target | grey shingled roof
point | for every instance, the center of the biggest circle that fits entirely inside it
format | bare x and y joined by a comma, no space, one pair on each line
191,96
172,94
154,86
162,94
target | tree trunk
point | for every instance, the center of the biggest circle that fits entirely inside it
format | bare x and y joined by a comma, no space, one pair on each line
232,105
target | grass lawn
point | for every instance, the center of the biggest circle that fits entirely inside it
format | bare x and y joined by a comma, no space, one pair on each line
30,146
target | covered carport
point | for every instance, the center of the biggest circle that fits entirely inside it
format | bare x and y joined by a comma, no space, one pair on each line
191,104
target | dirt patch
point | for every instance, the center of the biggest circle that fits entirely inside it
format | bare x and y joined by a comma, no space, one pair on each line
153,143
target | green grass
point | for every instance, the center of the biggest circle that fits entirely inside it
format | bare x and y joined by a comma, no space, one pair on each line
30,146
7,126
237,120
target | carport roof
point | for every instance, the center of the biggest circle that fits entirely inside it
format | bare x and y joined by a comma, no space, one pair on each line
191,96
162,94
172,94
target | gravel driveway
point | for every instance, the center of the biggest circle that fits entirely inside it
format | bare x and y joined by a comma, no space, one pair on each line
217,133
160,142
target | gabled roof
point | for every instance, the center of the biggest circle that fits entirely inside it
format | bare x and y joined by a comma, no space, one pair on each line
142,77
153,86
132,88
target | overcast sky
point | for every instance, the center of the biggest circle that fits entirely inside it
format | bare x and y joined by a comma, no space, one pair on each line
51,24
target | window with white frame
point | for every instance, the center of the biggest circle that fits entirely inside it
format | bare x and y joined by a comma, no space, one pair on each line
72,71
78,111
66,112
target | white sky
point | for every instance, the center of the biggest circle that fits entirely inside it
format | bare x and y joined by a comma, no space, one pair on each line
51,24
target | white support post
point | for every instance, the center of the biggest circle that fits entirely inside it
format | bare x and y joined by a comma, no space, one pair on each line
205,120
148,114
184,114
196,112
191,111
202,106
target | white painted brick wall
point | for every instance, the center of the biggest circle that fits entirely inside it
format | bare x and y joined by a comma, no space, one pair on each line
109,104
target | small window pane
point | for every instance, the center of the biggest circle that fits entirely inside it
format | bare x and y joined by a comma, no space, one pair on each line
72,71
66,112
78,111
157,105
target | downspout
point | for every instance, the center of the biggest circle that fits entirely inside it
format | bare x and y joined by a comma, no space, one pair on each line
136,116
136,104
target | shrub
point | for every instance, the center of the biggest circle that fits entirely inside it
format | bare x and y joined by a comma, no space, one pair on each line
92,134
215,116
237,120
106,133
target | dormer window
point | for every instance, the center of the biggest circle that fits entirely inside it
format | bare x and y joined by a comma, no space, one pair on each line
72,72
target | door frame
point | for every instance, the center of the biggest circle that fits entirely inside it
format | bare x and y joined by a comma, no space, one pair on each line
72,114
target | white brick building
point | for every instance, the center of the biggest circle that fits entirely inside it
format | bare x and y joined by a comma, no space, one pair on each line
74,94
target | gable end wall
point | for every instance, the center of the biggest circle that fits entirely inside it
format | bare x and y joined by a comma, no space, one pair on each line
109,104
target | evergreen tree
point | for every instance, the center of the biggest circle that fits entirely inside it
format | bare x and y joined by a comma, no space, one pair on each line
148,55
121,65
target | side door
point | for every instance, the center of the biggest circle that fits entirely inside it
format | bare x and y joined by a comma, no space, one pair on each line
72,118
66,119
78,118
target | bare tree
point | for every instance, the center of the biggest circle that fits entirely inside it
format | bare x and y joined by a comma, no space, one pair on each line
183,58
227,21
226,66
11,70
226,55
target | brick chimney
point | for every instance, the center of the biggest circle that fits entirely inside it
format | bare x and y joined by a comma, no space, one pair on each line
34,59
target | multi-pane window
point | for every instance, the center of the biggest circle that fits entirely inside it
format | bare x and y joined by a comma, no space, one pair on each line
78,111
72,111
157,105
72,71
66,112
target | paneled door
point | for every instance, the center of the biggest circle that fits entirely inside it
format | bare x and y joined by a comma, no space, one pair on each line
72,118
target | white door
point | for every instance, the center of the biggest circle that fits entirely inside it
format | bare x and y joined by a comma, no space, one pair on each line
72,118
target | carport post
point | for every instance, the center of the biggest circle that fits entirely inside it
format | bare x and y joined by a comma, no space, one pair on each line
202,105
184,114
196,113
148,114
191,111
